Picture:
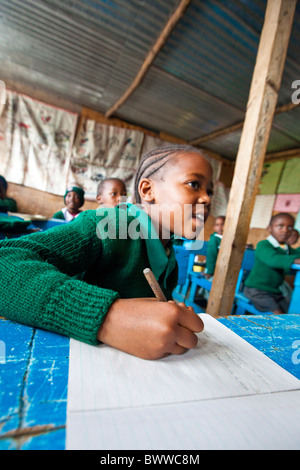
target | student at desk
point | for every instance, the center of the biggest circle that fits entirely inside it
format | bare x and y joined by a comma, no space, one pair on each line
213,247
7,204
114,304
273,259
73,199
111,192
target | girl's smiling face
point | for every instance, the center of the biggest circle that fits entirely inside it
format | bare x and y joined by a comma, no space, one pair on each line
73,202
181,195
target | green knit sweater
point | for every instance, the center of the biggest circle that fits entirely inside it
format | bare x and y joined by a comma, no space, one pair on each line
270,266
38,284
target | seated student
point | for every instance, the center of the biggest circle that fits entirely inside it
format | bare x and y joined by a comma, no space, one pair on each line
7,204
111,192
114,303
213,246
273,259
73,199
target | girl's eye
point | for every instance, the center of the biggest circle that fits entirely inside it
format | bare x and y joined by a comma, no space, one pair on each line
194,184
210,192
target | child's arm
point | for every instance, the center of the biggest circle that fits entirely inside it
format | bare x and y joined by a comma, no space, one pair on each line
150,329
37,289
270,256
37,286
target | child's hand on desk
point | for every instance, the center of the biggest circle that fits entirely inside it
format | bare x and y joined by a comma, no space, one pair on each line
150,329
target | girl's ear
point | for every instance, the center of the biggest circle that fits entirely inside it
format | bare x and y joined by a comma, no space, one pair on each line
146,190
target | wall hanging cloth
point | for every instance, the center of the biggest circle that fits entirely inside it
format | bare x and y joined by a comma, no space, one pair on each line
35,143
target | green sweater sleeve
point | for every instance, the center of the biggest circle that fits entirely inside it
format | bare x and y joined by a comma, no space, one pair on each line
58,215
37,286
275,258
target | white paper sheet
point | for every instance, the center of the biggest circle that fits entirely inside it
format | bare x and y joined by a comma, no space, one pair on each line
109,389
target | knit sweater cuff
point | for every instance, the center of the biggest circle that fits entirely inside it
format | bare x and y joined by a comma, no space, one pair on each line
78,313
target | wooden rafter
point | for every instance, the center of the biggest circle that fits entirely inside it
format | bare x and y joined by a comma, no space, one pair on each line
234,127
173,20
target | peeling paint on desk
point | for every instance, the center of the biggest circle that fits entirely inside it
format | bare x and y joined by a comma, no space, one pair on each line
33,388
273,335
34,375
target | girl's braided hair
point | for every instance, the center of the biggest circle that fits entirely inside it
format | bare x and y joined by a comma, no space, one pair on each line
153,161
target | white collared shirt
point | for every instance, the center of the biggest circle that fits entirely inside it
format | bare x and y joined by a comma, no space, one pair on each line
276,244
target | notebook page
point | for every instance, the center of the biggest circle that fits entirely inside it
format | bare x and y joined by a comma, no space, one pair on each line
267,421
223,365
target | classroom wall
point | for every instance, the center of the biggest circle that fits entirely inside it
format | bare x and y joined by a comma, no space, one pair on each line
32,201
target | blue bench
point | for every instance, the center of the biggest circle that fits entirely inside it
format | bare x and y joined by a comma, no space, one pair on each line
242,304
185,256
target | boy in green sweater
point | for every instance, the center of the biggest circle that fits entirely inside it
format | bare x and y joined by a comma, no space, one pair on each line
273,259
7,204
214,245
113,303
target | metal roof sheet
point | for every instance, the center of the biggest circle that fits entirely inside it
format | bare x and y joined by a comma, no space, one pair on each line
90,51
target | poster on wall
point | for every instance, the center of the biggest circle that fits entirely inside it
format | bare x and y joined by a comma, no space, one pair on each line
262,212
270,177
287,203
220,199
101,151
35,143
290,181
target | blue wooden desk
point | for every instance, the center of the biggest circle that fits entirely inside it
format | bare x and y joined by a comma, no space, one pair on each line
34,375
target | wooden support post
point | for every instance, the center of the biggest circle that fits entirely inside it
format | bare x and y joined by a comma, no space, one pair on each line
254,139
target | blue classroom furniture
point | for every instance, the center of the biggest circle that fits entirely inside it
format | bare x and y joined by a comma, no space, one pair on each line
242,304
189,281
35,223
294,306
185,256
34,375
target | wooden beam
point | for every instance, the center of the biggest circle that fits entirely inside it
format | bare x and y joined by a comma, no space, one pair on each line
234,127
173,20
254,139
283,154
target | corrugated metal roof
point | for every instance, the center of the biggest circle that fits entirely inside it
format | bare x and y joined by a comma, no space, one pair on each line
90,51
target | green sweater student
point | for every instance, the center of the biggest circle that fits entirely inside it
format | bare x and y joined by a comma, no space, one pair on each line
7,204
273,260
113,303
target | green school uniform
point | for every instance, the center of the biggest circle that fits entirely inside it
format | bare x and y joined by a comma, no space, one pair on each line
38,285
213,247
8,205
271,264
58,215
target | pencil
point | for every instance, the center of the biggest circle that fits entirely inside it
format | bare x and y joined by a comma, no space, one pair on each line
154,285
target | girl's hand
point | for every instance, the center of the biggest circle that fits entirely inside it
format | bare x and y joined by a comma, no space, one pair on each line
150,329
